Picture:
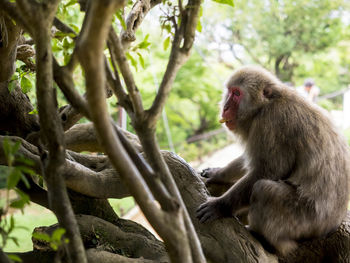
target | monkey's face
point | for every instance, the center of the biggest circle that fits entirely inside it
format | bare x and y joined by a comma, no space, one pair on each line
229,112
248,90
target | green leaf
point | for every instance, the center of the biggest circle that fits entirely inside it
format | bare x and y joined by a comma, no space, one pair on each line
65,43
199,26
4,171
75,28
12,85
61,35
142,61
26,84
57,234
56,45
66,58
35,111
41,236
7,147
13,178
15,147
19,204
133,61
14,257
54,246
225,2
166,43
25,181
25,169
119,16
23,160
72,2
167,28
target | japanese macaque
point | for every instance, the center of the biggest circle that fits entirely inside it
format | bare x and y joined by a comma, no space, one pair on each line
293,176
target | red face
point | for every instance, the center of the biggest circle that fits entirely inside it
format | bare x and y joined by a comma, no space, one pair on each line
229,113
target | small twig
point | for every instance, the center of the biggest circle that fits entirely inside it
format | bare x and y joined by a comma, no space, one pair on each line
64,80
116,85
63,27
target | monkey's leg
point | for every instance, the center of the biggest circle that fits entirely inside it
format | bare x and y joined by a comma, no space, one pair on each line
279,214
235,199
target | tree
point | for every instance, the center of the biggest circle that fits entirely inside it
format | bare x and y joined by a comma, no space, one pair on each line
277,35
77,184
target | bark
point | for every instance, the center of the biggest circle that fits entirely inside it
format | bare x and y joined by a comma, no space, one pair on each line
82,137
123,238
224,240
15,106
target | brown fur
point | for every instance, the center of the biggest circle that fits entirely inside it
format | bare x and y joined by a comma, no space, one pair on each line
295,169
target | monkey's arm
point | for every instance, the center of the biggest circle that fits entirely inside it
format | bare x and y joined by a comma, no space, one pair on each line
234,200
226,175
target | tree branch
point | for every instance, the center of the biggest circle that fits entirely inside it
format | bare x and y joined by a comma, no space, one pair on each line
91,46
178,56
50,124
118,54
115,83
134,20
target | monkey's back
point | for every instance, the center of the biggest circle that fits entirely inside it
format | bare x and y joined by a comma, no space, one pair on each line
307,151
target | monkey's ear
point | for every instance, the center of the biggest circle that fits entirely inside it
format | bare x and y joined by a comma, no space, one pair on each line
268,93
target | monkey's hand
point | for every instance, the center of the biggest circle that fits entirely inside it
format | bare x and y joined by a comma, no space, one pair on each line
213,209
209,175
209,172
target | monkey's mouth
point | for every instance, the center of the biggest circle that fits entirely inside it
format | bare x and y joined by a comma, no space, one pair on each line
225,121
229,123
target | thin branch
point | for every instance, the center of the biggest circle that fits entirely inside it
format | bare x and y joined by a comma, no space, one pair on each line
114,81
123,65
116,85
135,18
176,60
192,16
64,80
178,56
63,27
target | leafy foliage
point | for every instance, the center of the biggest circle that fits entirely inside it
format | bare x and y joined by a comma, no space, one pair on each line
15,171
278,34
56,240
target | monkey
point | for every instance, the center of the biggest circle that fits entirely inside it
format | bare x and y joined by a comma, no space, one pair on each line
293,177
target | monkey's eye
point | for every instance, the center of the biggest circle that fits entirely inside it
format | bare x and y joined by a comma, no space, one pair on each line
237,92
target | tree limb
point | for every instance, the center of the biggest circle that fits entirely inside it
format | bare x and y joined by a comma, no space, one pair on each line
50,124
134,20
118,54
